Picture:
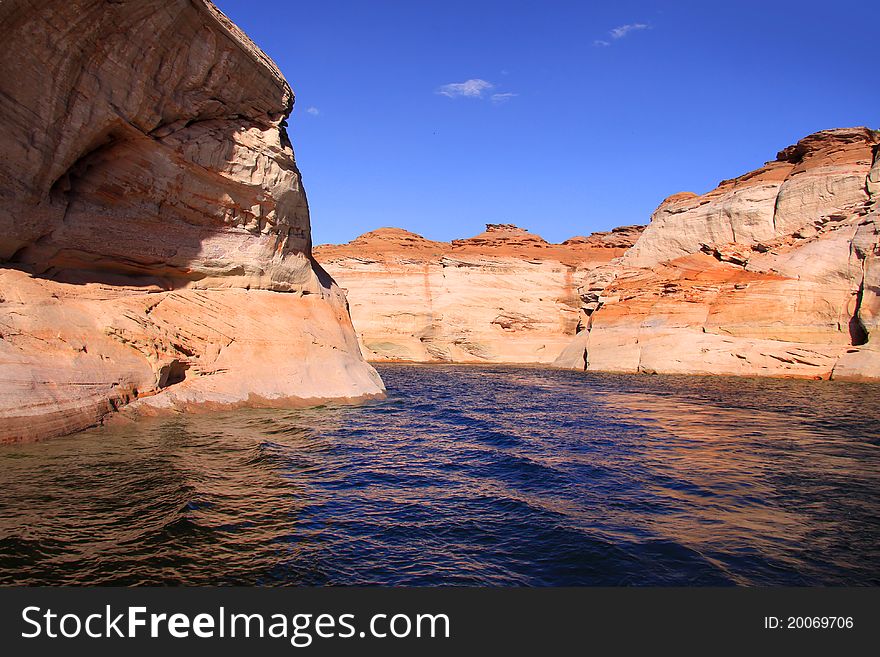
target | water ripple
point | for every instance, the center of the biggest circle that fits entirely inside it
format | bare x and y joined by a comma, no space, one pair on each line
467,476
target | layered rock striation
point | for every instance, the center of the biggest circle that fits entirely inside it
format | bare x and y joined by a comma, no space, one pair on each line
774,273
154,234
505,295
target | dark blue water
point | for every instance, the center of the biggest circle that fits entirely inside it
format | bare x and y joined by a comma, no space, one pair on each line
467,475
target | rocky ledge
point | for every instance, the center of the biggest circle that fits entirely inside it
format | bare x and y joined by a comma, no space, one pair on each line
154,234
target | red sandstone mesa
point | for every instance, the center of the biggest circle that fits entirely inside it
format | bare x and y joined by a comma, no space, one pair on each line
154,235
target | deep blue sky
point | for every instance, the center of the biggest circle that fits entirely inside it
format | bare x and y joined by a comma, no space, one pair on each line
595,136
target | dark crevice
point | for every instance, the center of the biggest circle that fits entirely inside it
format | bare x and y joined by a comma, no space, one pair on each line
16,257
64,183
285,138
172,373
857,333
324,278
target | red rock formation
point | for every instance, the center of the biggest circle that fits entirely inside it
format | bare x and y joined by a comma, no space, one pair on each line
505,295
820,179
773,273
154,234
621,237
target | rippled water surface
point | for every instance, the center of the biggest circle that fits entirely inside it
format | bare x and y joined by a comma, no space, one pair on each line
467,475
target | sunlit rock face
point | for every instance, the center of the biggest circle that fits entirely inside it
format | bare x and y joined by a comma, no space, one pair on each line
819,180
773,273
154,234
505,295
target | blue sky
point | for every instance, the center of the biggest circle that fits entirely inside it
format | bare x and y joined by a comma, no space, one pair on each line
561,117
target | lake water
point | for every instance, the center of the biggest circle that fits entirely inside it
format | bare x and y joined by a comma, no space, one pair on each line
467,476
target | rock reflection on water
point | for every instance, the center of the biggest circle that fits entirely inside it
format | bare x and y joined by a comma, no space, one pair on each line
467,475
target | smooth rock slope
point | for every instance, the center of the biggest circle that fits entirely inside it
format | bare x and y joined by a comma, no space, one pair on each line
154,234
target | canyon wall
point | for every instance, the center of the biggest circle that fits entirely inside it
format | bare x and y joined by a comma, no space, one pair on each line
503,296
774,273
154,234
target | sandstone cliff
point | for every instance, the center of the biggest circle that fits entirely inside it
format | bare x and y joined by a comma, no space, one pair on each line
774,273
505,295
154,234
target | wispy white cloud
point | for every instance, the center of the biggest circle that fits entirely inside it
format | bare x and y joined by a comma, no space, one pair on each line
619,32
475,88
502,98
623,30
314,111
468,89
